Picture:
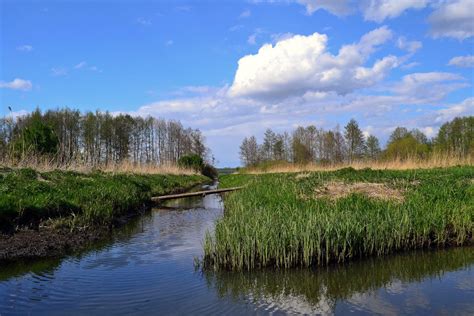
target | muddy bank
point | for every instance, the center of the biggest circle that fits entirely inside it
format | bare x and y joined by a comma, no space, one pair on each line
47,242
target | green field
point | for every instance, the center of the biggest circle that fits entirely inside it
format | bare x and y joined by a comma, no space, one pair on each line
308,219
28,197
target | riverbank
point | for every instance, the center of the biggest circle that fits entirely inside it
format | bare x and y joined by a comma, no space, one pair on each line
50,213
315,218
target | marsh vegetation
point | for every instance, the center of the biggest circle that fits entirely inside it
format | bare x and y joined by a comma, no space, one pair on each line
307,219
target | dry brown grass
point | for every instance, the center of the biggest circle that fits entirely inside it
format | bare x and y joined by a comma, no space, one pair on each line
434,161
45,165
335,190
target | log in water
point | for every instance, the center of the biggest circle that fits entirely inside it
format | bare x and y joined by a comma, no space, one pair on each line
190,194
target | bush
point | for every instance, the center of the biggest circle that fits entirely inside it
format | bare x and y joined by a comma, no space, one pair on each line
191,161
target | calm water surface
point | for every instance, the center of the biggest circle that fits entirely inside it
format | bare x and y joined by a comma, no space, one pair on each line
148,268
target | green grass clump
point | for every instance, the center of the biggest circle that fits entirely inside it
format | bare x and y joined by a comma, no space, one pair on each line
27,196
278,220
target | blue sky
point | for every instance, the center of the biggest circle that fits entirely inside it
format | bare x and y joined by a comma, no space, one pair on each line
235,68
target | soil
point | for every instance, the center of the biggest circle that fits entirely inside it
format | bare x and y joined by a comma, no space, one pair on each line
46,242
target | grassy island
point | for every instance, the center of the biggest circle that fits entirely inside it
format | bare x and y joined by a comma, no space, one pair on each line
315,218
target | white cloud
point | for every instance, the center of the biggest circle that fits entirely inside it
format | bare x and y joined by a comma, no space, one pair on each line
58,71
144,22
410,65
462,61
225,118
379,10
409,46
236,27
464,108
429,85
80,65
302,63
252,39
454,18
245,14
169,42
281,36
373,10
17,84
25,48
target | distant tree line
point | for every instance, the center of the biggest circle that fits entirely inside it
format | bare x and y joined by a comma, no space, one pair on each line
97,138
312,144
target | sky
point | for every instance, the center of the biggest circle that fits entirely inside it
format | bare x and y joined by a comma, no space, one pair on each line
235,68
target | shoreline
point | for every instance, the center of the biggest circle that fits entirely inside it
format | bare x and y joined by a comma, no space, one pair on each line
62,235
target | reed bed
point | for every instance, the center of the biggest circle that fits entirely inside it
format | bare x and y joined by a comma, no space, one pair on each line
283,221
45,164
435,160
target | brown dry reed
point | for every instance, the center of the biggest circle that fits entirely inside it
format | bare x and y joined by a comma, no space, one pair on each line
436,160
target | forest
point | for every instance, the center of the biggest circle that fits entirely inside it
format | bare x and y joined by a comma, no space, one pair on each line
94,139
316,145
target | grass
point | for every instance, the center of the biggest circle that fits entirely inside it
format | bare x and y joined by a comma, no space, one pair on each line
284,220
28,196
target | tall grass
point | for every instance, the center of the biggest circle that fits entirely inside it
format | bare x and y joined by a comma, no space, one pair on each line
278,220
46,164
435,160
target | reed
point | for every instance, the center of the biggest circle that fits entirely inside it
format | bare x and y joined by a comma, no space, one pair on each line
46,164
435,160
292,220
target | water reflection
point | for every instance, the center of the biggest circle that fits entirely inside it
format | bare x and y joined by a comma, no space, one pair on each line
414,282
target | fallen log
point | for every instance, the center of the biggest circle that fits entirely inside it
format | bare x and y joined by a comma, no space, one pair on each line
189,194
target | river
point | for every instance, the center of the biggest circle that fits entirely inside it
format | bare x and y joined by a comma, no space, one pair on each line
148,268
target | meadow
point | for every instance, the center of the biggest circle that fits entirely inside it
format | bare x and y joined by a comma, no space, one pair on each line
308,219
29,197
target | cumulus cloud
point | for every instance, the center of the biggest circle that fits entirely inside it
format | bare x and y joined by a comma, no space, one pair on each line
17,84
462,61
454,19
379,10
223,117
302,63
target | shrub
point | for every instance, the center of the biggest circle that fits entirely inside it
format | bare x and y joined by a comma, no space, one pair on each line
191,161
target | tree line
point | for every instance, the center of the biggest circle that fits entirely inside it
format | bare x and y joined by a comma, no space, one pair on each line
97,138
312,144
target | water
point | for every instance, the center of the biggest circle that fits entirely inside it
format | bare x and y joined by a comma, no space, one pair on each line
148,268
